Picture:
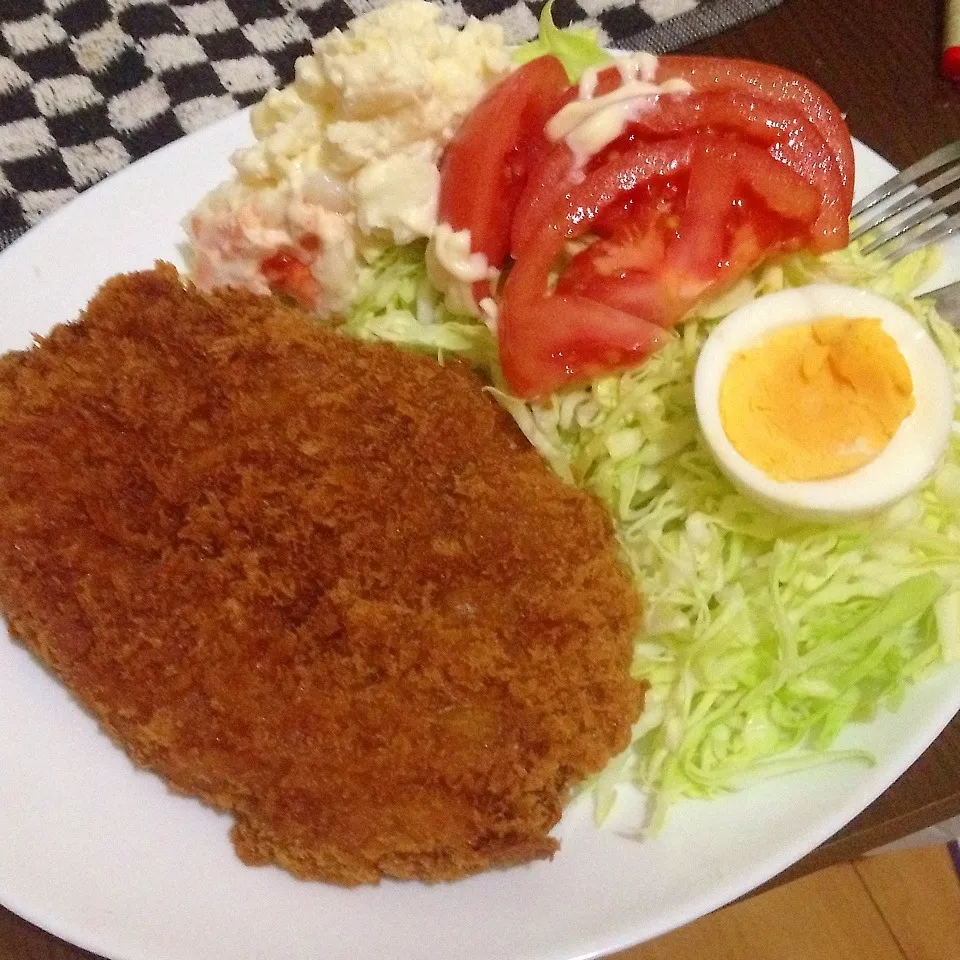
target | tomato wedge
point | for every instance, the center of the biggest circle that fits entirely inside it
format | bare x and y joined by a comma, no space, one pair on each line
578,211
794,140
734,185
644,296
528,280
487,163
714,178
771,84
543,190
740,206
550,343
759,81
638,241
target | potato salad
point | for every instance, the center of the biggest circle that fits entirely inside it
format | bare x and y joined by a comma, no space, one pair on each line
345,159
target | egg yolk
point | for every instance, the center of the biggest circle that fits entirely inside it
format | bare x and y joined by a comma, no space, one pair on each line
818,400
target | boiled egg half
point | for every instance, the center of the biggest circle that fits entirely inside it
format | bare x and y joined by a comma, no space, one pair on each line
824,401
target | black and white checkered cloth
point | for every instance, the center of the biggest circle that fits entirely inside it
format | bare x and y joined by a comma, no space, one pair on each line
87,86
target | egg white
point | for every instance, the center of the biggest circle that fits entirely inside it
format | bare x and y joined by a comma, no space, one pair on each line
913,452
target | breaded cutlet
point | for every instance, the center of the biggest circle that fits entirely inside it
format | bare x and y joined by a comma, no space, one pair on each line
323,585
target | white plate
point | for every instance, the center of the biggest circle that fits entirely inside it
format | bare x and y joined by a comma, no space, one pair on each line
103,855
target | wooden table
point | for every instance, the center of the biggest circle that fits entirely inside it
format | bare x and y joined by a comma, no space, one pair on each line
879,60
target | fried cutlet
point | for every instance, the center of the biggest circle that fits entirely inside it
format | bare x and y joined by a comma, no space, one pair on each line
323,585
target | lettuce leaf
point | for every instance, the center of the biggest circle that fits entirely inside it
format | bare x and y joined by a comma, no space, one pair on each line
577,48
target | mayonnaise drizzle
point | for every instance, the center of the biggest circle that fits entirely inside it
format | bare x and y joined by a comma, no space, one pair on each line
642,65
453,268
590,123
588,83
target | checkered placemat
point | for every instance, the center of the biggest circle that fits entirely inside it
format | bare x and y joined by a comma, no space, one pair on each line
87,86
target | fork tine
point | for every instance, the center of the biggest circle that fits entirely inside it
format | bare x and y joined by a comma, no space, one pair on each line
927,212
882,213
938,158
932,233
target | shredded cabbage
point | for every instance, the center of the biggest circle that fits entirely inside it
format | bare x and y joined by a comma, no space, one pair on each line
577,48
398,304
763,635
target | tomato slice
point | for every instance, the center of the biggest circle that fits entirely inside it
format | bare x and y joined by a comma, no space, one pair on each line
544,187
726,180
657,264
764,104
782,190
709,206
650,297
586,203
638,242
740,206
761,81
740,203
793,140
769,84
486,165
548,342
553,342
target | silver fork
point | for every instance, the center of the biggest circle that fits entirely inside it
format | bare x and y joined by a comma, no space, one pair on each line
914,208
947,302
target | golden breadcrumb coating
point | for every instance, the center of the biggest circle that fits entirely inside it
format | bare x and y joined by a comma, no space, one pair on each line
323,585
